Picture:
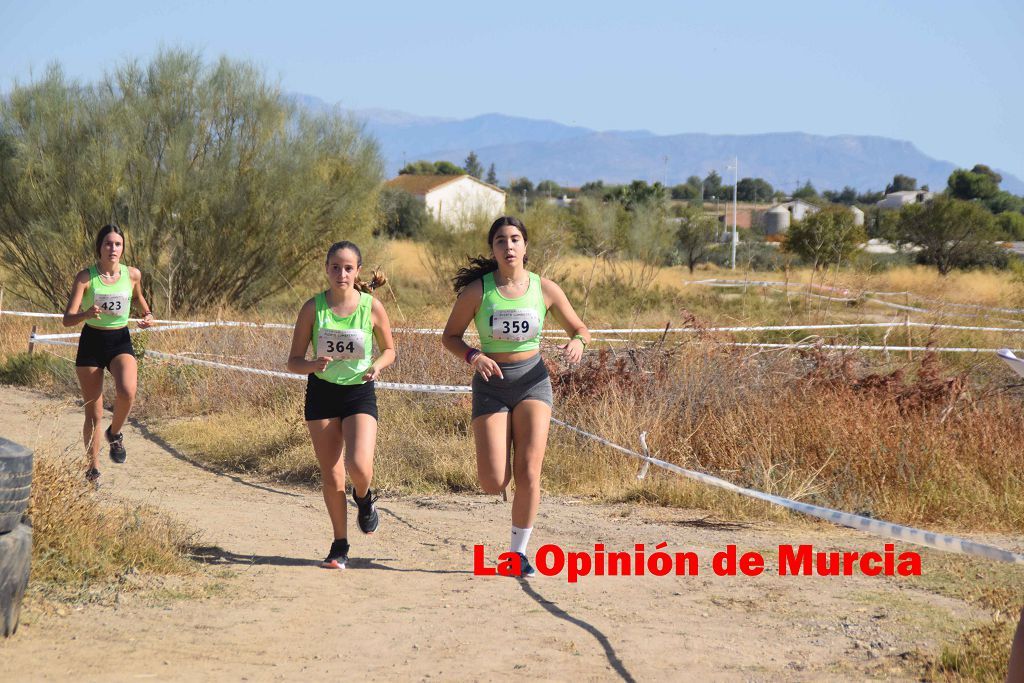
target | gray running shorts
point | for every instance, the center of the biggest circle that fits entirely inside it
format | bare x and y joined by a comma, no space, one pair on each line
523,380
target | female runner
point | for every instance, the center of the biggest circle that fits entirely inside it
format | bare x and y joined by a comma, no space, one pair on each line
511,390
101,296
341,405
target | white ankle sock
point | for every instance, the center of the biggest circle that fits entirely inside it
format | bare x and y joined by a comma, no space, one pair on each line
520,537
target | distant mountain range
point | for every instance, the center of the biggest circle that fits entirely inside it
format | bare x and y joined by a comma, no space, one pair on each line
572,155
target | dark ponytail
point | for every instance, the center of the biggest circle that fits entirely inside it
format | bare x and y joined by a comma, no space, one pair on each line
481,265
477,268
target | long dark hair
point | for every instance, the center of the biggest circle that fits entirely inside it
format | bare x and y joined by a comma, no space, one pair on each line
481,265
378,279
106,230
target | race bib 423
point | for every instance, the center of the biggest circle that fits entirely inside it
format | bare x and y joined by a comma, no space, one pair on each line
111,304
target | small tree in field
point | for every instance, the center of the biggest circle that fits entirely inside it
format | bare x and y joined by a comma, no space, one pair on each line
224,190
826,237
696,235
402,214
951,233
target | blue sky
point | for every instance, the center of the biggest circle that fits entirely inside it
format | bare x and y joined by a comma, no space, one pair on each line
944,75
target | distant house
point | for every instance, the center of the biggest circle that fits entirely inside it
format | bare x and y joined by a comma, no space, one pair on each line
895,200
453,199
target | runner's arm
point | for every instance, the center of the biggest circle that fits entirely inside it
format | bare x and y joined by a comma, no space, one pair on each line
559,306
462,314
385,342
301,337
71,315
147,314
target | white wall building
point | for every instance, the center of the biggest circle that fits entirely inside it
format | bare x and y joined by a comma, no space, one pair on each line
453,200
895,200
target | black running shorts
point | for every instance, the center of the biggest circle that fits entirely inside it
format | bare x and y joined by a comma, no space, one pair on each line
96,347
326,400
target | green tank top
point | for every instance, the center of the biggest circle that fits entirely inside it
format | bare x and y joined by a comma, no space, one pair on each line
348,340
508,325
114,300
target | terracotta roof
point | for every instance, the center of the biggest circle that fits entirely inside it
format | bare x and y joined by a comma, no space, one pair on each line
422,184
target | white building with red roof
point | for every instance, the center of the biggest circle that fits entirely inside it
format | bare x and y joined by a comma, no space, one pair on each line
453,199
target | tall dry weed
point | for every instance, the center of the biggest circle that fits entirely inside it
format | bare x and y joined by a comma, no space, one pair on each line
81,545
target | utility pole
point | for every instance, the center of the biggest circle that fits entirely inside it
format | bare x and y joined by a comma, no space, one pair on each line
721,230
735,182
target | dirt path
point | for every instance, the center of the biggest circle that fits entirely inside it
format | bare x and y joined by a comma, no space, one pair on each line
410,608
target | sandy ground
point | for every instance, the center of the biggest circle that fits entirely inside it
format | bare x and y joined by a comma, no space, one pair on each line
409,606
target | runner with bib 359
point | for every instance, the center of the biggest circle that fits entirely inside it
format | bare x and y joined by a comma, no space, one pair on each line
511,390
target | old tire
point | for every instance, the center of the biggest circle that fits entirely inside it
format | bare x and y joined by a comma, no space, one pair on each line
15,483
15,560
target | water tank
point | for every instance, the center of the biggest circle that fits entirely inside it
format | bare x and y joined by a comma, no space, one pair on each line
858,216
776,221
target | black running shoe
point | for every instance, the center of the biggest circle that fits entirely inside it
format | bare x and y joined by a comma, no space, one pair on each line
117,452
526,570
337,558
92,476
367,517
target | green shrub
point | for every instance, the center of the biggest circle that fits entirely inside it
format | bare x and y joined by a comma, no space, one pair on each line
30,369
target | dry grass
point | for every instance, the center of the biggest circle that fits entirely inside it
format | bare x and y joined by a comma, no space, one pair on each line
811,427
83,548
927,441
890,440
980,653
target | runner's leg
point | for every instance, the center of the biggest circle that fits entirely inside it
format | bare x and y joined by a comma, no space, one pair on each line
90,379
125,370
530,422
492,435
360,435
326,436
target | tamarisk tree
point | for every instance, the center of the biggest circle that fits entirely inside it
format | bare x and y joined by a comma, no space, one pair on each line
225,190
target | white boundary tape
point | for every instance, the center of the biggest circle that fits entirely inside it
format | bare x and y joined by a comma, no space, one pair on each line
878,527
396,386
169,325
55,339
856,347
134,330
716,282
29,314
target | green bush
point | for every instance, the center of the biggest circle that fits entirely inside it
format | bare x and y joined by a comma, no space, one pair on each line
1011,225
402,214
30,369
761,256
825,237
981,256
